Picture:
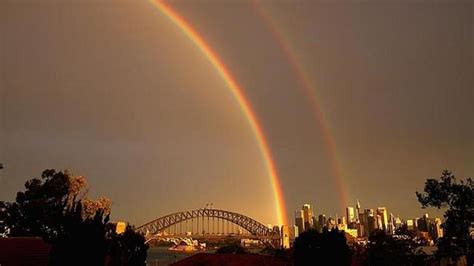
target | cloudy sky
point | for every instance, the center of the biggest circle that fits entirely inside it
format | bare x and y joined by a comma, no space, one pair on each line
114,91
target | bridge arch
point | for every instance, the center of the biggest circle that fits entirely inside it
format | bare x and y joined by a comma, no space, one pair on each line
254,227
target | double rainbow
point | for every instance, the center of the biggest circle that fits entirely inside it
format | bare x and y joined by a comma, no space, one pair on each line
239,95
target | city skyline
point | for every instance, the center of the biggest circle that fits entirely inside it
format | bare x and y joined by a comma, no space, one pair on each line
361,223
118,93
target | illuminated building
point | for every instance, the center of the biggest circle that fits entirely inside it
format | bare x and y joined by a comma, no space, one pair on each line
398,223
288,234
341,223
382,211
358,210
391,225
120,227
308,216
410,225
350,214
342,226
341,220
352,232
437,230
379,222
299,220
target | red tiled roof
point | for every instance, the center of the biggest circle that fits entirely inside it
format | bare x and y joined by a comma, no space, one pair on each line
23,251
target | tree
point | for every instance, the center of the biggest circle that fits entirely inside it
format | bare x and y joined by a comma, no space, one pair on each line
126,249
91,207
82,240
457,197
40,209
56,208
386,250
36,210
232,249
326,248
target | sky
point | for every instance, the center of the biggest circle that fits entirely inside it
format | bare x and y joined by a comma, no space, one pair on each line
114,91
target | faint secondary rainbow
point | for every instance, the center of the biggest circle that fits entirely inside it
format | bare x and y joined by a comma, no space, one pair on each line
310,93
238,93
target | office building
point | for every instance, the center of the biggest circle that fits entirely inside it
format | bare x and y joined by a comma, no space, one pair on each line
391,224
350,215
352,232
360,230
436,229
288,234
424,223
315,223
382,211
379,222
321,222
331,223
299,220
410,225
308,216
358,211
370,221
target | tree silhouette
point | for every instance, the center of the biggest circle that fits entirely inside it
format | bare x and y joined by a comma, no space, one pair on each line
126,249
326,248
386,250
39,210
458,200
82,240
232,249
55,207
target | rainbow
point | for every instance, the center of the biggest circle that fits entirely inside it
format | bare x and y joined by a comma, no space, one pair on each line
310,92
239,95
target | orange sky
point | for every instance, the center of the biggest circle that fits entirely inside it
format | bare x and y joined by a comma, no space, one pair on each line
115,92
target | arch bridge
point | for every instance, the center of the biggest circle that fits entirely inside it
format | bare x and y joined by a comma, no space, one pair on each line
253,227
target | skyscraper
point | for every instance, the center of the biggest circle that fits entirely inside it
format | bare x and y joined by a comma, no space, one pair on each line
424,223
369,221
382,211
299,220
331,223
341,223
360,230
288,234
358,211
437,230
321,222
379,222
315,222
350,214
308,216
391,224
398,222
363,224
410,225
